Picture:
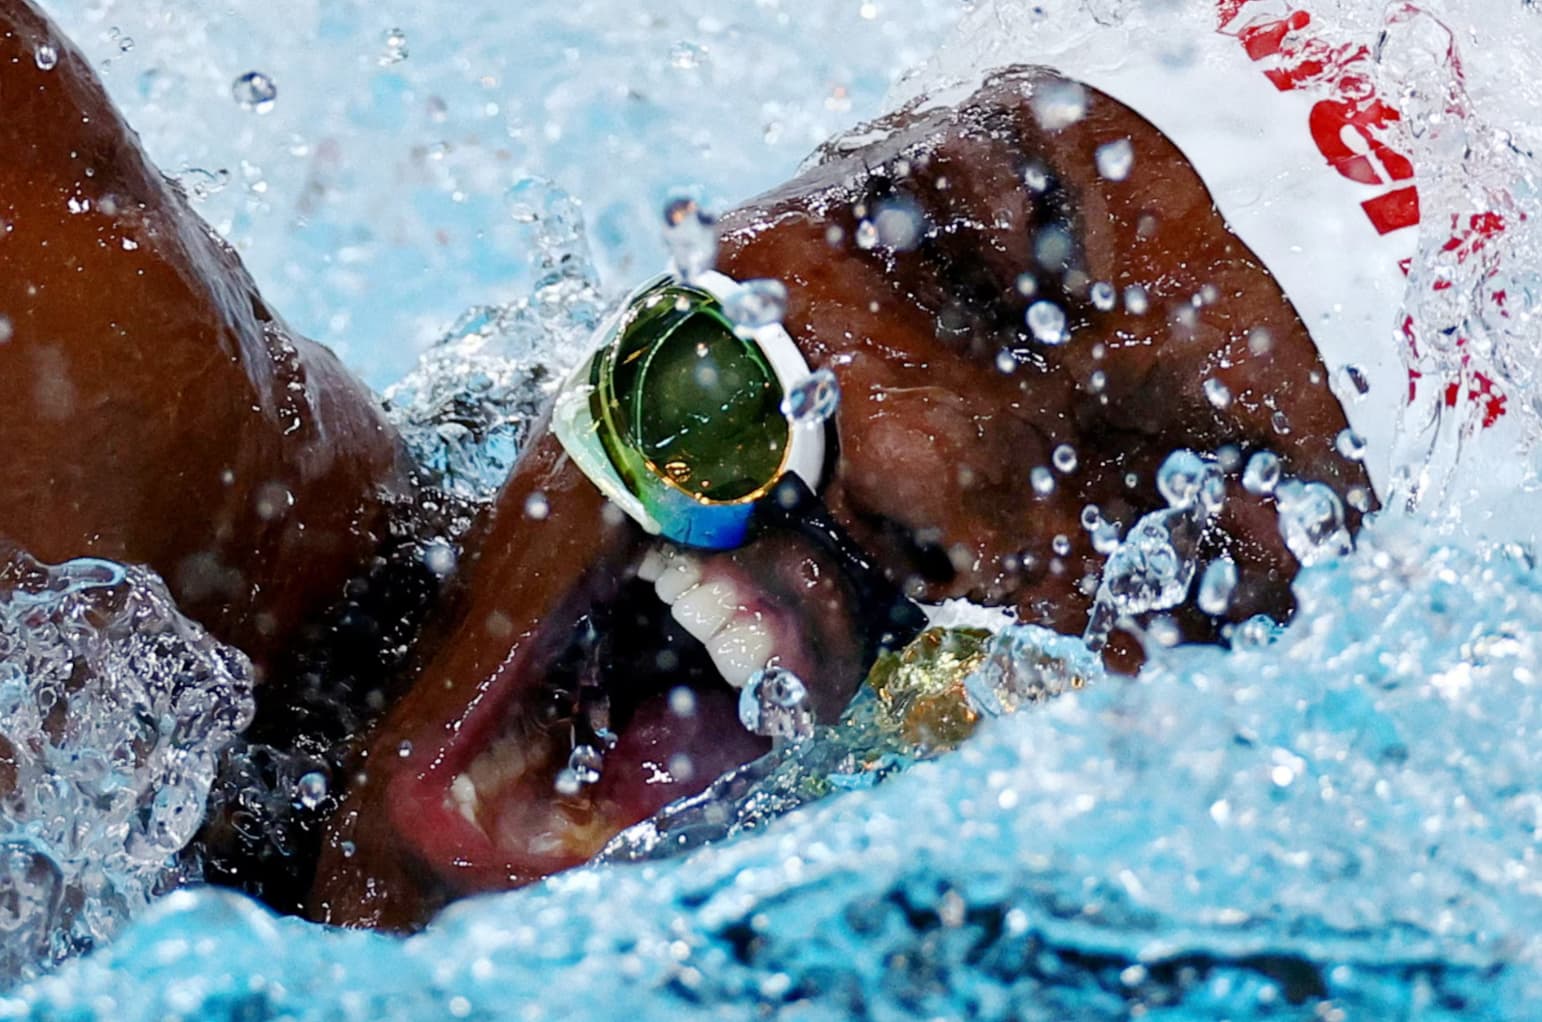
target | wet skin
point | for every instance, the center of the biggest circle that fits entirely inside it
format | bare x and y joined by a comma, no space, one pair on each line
936,445
156,411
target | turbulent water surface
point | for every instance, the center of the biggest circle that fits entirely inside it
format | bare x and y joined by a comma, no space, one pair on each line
1337,819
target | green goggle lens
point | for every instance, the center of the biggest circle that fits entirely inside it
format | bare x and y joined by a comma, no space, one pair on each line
681,396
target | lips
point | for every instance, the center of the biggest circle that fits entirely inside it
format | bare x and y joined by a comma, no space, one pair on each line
617,693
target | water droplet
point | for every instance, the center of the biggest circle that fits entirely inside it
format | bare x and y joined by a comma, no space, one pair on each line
395,47
46,56
255,91
757,303
1136,300
1115,159
1312,522
1064,459
439,558
1047,321
1027,285
1216,586
1180,477
1260,341
404,749
1006,362
567,783
1042,480
775,703
867,236
1262,474
537,507
686,55
7,329
682,702
585,763
1036,178
310,789
1217,393
690,234
1059,104
1352,383
1350,444
1053,246
900,224
814,399
1104,297
1164,631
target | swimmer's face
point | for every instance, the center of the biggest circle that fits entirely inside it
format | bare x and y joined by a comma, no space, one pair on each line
951,408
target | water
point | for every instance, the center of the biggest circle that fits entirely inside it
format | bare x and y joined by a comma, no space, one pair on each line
1333,819
113,709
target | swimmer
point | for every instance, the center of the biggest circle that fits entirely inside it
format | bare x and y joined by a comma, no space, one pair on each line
955,396
157,411
162,414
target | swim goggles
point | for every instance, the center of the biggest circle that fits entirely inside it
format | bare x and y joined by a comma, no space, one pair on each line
677,417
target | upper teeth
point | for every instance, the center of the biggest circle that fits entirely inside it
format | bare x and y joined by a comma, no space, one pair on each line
714,612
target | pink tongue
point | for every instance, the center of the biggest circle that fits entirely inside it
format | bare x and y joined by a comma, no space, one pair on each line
664,754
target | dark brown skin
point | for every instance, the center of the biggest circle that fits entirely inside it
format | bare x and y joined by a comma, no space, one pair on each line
156,411
936,442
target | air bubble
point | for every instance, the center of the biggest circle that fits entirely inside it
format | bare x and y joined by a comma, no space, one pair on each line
1047,322
867,236
1064,459
1115,159
1006,362
813,400
775,703
1103,296
757,303
537,507
255,91
1042,480
1136,300
46,56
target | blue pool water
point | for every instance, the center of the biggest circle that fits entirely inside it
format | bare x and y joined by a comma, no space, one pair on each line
1338,821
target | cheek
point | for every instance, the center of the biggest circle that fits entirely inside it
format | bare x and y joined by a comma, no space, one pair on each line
926,459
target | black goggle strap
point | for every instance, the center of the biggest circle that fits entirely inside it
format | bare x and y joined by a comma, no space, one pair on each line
894,618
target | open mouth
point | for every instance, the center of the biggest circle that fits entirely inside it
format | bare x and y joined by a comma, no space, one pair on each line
626,700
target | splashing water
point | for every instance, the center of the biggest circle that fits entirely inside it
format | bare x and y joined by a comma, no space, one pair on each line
466,410
113,708
1265,832
775,703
